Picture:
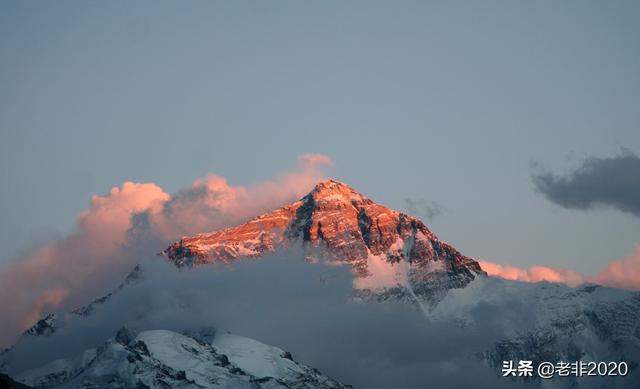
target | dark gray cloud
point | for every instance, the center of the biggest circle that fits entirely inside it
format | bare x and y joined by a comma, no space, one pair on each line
613,182
428,210
303,308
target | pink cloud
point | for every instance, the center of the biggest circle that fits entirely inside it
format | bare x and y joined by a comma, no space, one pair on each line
532,274
73,271
76,267
623,274
48,299
108,218
211,202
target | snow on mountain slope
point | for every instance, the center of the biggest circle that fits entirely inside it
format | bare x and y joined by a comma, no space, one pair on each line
553,322
136,275
44,326
166,359
256,358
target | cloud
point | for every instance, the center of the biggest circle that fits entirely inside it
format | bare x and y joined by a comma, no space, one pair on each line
613,182
211,203
132,222
532,274
301,307
48,298
421,207
109,217
624,273
73,269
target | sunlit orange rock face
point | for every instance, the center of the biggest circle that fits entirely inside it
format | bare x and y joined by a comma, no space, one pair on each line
351,228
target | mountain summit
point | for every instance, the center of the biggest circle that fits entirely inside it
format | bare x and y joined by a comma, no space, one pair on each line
376,241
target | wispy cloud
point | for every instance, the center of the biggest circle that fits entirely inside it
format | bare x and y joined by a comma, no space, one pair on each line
424,208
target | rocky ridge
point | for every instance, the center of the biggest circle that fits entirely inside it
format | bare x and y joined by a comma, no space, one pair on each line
166,359
346,227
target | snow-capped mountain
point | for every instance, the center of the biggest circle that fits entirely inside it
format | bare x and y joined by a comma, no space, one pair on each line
553,322
586,323
394,259
166,359
386,248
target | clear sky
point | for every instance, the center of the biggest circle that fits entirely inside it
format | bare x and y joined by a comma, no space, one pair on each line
451,102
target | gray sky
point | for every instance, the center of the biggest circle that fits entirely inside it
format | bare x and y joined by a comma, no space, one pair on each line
446,102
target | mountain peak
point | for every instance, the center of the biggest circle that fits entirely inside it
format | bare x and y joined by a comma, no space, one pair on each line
331,185
335,190
349,226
